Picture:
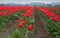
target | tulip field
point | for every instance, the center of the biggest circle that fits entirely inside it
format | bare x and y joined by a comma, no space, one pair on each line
52,19
19,21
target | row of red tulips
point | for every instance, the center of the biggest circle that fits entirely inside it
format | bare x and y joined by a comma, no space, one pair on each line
50,14
51,8
12,9
27,14
15,7
9,10
22,15
52,24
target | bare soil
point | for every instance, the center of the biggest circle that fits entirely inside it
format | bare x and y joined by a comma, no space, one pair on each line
40,27
8,29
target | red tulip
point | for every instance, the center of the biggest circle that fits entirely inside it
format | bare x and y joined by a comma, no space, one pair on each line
19,20
20,25
4,14
9,13
56,18
51,14
29,13
24,22
23,14
30,27
1,13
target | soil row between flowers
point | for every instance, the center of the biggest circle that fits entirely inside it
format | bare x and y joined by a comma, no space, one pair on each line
8,29
40,31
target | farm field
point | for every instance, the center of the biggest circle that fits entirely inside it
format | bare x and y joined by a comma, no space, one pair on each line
29,22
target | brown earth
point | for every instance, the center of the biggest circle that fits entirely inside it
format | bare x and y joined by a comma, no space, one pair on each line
41,30
40,27
8,29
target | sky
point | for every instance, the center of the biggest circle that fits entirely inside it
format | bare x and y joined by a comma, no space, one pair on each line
28,1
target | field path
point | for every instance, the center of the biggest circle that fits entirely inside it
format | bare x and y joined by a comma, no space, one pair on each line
8,29
41,31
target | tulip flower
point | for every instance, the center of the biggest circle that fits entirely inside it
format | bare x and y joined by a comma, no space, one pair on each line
20,25
23,14
9,13
56,18
19,20
30,27
4,14
50,14
1,13
24,22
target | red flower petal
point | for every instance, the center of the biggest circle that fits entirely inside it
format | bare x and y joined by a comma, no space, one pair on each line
20,25
30,27
4,14
56,18
24,22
